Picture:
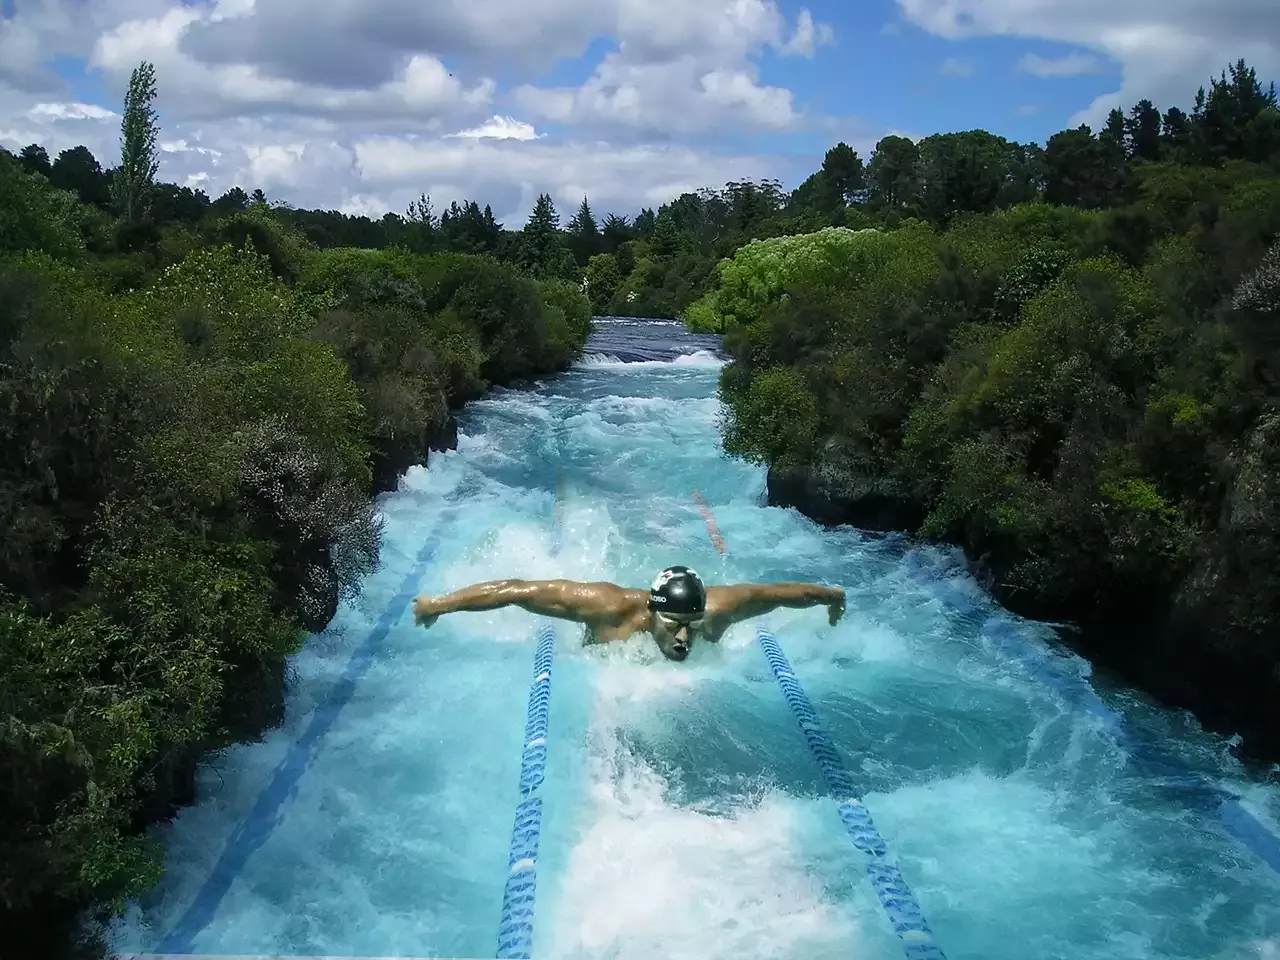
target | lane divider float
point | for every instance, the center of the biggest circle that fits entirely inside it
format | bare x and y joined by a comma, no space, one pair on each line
891,888
515,928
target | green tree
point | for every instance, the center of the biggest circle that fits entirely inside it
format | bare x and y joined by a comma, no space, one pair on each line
542,250
962,173
1142,131
603,280
422,223
132,181
1175,133
584,234
77,170
614,232
1077,170
892,176
36,159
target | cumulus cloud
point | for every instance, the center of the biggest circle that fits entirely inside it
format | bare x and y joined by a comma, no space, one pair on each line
510,174
1165,48
809,36
70,111
684,68
499,128
421,89
682,96
361,42
678,66
361,105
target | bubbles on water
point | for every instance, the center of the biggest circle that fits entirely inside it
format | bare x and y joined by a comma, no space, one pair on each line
648,878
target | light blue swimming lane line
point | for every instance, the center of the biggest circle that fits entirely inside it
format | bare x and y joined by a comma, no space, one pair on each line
262,819
891,888
515,928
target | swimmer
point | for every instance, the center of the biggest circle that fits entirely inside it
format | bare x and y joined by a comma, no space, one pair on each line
674,611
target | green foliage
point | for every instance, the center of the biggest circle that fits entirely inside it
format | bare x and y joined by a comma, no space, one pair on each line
863,271
566,311
603,279
286,249
774,420
1063,377
36,216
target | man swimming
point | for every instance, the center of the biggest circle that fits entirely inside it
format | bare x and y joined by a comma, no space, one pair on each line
675,610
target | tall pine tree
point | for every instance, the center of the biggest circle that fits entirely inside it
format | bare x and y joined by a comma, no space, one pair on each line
584,235
1143,131
542,249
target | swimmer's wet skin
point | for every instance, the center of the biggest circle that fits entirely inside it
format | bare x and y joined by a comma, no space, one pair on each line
676,609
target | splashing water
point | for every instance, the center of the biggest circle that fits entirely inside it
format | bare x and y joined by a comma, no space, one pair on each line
684,816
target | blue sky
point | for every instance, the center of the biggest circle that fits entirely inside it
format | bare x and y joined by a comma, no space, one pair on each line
629,101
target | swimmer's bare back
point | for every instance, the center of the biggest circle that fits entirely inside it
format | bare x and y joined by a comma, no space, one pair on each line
611,612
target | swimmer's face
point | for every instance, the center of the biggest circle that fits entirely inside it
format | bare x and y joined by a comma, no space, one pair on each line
674,633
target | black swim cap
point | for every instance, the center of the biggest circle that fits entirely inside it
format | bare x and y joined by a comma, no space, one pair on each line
678,591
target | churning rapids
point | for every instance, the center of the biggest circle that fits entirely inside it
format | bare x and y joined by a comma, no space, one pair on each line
1035,812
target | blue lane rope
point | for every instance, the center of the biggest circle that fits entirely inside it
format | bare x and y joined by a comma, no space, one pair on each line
891,888
257,827
515,930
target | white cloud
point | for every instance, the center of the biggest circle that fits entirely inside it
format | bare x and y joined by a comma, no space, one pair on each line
70,111
620,179
361,105
683,96
956,67
1071,65
685,68
499,128
309,164
421,91
809,36
1166,48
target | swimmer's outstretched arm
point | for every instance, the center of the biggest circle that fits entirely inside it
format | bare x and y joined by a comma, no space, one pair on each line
744,601
565,599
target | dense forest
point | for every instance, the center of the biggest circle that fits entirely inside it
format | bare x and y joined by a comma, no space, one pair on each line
198,405
1065,360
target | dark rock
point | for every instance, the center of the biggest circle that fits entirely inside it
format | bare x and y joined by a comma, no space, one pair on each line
835,492
390,461
1225,621
445,437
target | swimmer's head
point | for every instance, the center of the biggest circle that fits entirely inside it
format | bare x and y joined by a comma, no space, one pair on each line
678,602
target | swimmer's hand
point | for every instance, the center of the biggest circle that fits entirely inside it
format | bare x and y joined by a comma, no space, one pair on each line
425,612
835,609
